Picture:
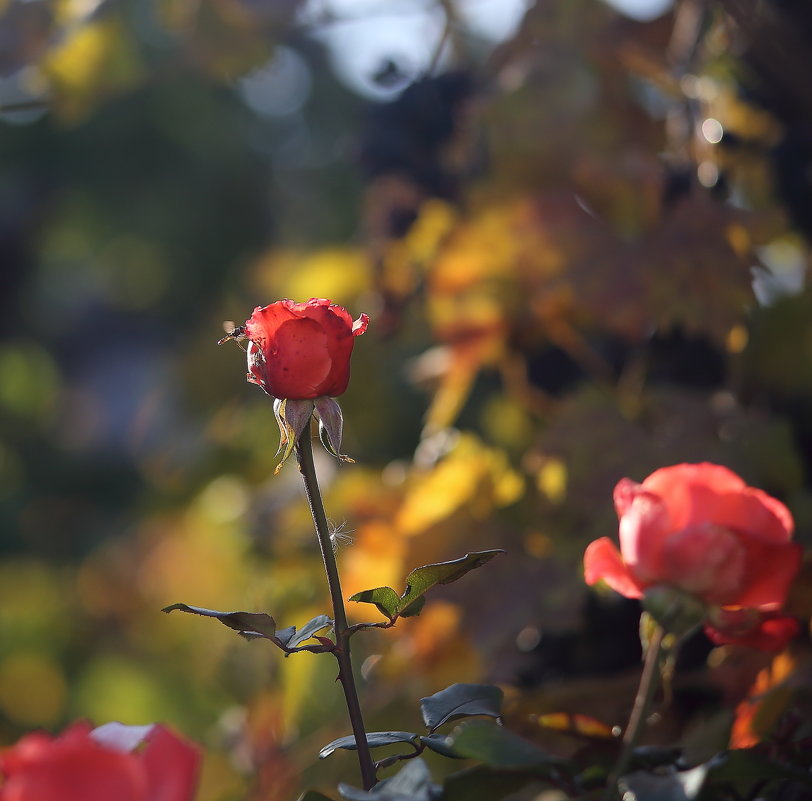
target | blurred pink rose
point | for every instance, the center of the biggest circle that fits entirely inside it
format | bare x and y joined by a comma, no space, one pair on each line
701,529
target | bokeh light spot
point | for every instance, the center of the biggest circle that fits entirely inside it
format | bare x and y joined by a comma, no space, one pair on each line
32,689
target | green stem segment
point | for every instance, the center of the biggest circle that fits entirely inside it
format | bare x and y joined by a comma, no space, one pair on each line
304,456
649,682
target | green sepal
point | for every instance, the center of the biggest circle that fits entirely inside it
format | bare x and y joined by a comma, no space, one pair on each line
292,416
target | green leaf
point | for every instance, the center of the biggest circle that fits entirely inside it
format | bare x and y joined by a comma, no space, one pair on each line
743,768
309,629
483,783
256,623
411,783
419,581
500,748
414,608
252,625
384,598
424,578
461,700
375,739
440,744
284,636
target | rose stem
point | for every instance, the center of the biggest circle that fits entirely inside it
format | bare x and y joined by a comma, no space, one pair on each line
304,456
649,682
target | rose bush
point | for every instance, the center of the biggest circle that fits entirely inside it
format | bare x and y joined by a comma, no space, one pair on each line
113,762
701,529
300,351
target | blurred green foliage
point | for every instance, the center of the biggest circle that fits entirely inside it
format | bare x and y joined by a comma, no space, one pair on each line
585,254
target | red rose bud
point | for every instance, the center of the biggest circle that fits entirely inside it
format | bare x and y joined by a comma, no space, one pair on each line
125,763
699,528
301,351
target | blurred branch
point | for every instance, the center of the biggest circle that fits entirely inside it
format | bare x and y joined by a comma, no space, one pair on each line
690,25
23,105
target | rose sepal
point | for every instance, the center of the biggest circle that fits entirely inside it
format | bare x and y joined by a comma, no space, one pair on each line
331,426
677,612
292,416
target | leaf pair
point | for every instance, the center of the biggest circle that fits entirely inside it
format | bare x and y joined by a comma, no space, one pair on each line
456,701
254,625
418,582
506,758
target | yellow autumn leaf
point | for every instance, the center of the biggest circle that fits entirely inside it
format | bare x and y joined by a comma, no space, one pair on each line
472,476
93,61
339,273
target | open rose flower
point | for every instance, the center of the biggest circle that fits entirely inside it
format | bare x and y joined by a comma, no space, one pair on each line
701,529
301,351
113,762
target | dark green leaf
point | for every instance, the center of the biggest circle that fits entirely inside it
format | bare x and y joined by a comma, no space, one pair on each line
483,783
424,578
461,700
677,786
411,783
441,744
384,598
284,636
743,768
419,581
252,625
312,795
648,757
257,622
375,739
500,748
708,737
414,608
309,629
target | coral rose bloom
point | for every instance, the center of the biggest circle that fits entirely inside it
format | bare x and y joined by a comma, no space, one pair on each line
300,351
700,528
100,765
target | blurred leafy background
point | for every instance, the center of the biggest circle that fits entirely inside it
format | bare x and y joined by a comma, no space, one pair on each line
581,231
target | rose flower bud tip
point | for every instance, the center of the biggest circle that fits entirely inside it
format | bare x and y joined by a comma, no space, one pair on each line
301,351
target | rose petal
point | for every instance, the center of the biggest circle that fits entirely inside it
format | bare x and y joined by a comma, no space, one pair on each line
71,767
643,529
301,351
757,513
602,562
676,479
360,325
264,321
624,494
690,491
707,561
769,574
299,360
770,634
171,766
